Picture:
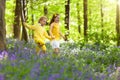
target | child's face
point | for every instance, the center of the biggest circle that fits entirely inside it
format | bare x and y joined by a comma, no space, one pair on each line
43,22
57,19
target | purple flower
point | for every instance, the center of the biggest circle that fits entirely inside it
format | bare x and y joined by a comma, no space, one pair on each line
4,52
90,78
3,55
13,64
62,70
79,74
25,48
2,77
13,57
35,71
51,78
102,77
54,77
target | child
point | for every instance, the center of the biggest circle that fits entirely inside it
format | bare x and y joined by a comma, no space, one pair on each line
55,32
39,34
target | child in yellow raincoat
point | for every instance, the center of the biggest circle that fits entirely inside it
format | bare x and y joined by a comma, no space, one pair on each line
40,34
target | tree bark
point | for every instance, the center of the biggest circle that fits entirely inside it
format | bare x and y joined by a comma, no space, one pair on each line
16,24
85,19
2,25
78,16
45,10
118,23
67,14
24,18
32,18
102,15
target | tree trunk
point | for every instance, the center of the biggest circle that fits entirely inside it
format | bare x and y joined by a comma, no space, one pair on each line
16,24
102,15
85,19
2,25
90,19
32,18
67,14
118,23
23,18
78,16
45,10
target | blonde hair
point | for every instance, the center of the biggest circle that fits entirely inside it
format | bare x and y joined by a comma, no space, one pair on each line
42,18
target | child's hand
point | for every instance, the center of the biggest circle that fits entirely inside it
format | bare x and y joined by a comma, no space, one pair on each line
53,37
65,38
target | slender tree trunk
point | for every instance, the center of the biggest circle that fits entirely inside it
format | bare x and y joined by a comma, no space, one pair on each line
78,16
23,18
118,22
31,31
16,25
45,10
46,13
85,19
90,19
102,15
67,14
32,17
2,25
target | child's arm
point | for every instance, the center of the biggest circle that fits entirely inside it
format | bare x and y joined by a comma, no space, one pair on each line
51,27
29,26
47,36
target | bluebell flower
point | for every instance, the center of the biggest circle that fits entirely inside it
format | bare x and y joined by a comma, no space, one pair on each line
13,57
54,76
102,77
90,78
62,69
3,55
79,74
2,77
35,72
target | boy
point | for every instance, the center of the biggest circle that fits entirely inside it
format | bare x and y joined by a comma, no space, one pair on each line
40,34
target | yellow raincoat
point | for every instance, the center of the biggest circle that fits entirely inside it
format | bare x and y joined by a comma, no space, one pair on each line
40,35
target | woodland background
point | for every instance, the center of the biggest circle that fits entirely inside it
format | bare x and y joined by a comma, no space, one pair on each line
91,52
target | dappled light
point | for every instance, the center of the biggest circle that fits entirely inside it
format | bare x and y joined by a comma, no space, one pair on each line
112,1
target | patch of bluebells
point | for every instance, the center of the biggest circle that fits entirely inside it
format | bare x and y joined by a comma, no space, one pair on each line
72,63
35,71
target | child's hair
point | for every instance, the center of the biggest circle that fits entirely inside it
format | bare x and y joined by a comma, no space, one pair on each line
53,17
41,18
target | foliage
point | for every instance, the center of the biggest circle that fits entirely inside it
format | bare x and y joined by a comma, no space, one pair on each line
94,18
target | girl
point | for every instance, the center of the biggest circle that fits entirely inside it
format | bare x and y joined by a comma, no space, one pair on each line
39,34
55,32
